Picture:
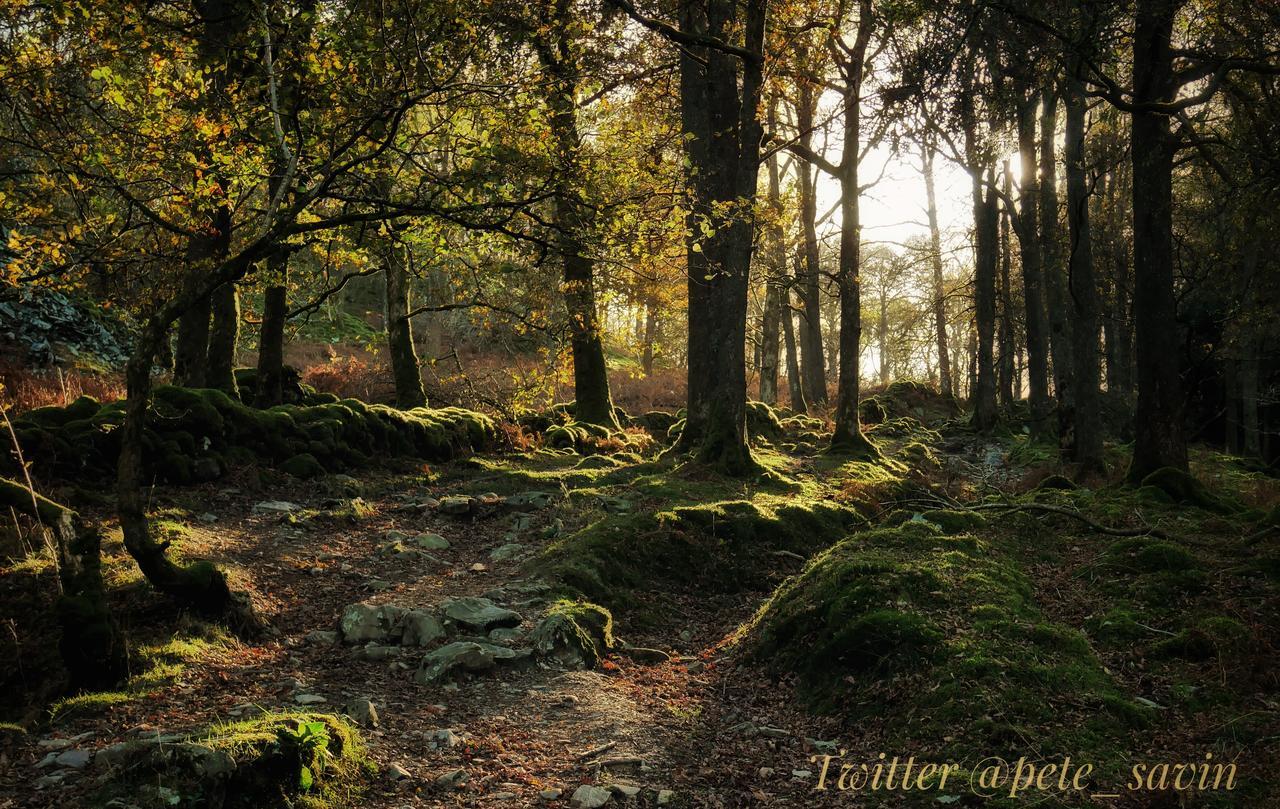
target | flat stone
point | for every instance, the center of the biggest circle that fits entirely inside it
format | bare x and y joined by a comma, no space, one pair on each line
276,507
772,733
456,505
431,542
625,790
75,759
504,553
377,652
321,637
479,614
362,623
503,796
550,794
589,797
397,773
505,634
309,699
665,796
530,500
452,778
466,656
442,738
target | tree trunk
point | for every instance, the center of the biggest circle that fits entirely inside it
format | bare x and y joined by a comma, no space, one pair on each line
812,362
882,335
777,271
1006,333
1032,275
939,291
1055,281
984,293
574,222
650,336
405,370
795,387
223,337
275,310
1159,437
719,100
191,355
1084,291
91,646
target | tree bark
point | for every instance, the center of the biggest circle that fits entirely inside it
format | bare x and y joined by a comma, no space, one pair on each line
191,354
1055,281
1087,450
224,334
812,362
405,369
795,388
939,290
1159,436
1032,276
1006,332
719,99
275,310
777,270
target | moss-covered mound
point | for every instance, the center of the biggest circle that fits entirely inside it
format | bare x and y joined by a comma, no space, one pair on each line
726,547
292,388
195,434
906,398
278,760
590,439
938,636
574,633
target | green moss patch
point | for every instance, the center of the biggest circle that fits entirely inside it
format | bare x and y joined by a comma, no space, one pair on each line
192,434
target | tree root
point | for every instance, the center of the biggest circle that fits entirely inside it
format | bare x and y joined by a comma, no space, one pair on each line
1146,530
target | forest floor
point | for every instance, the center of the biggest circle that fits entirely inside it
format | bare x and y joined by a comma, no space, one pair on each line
706,724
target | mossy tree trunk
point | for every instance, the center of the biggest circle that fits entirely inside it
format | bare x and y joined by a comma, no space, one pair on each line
777,270
91,645
200,586
719,102
224,334
795,386
1087,451
275,310
1159,435
986,246
574,219
405,368
812,363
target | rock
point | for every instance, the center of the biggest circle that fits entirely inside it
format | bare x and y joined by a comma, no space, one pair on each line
574,635
361,623
362,711
506,635
456,505
503,796
208,518
463,656
395,535
665,796
377,652
536,500
643,655
276,507
452,778
478,567
431,542
343,486
75,759
615,505
503,553
309,699
378,585
442,738
589,797
421,628
321,637
550,794
772,733
479,614
397,773
765,772
627,791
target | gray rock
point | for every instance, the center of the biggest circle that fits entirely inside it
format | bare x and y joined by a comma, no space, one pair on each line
276,507
206,469
75,759
479,614
361,623
442,738
627,791
397,773
590,797
456,505
378,585
503,553
431,542
421,628
665,796
309,699
377,652
466,657
506,635
208,518
452,778
322,637
394,535
550,794
362,711
530,500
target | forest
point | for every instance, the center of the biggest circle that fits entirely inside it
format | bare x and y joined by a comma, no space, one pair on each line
593,403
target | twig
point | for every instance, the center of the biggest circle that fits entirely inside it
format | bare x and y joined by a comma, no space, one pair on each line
1145,530
604,748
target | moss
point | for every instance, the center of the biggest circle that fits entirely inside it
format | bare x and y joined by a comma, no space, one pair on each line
955,522
1213,637
763,421
1181,487
1117,626
574,632
303,466
1146,555
1057,483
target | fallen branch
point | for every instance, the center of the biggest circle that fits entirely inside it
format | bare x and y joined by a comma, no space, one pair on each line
592,753
1146,530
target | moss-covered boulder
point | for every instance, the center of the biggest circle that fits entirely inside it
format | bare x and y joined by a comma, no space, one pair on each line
574,634
1185,489
278,760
